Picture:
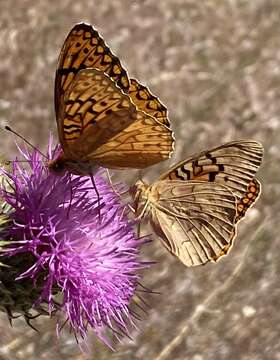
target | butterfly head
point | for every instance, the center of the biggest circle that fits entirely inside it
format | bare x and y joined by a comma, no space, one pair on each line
57,166
62,164
140,195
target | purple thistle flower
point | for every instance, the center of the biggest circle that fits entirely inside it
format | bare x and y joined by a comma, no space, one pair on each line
86,252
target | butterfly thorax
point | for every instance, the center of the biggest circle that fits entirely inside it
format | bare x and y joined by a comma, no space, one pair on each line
77,167
144,197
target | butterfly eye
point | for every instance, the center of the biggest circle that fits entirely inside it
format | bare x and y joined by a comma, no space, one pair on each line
137,188
133,190
137,192
57,166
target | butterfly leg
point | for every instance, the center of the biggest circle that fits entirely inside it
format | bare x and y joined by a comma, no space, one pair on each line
111,183
139,229
131,208
142,213
119,194
97,194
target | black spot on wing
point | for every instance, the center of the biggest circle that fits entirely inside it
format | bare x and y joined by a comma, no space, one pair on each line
212,176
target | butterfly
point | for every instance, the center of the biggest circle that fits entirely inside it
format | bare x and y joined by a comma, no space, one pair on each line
195,206
104,118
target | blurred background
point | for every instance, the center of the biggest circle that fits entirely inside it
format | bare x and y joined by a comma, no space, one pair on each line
216,65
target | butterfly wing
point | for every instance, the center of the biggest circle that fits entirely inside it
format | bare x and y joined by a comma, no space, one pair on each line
142,97
143,143
84,48
249,198
233,164
94,109
101,124
195,220
90,110
243,204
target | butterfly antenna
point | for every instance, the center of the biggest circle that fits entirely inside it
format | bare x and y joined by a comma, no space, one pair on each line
98,197
26,141
71,198
119,194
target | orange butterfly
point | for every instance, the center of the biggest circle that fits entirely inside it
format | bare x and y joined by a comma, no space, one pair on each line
194,207
103,117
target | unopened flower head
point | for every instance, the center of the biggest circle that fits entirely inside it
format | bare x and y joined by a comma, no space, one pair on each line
76,247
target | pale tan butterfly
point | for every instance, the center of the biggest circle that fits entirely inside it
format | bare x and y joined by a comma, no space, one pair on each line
103,117
194,207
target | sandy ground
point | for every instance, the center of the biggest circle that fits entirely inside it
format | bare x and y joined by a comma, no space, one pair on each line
216,65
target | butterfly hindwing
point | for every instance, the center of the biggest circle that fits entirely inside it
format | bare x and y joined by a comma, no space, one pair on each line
143,143
195,220
242,205
103,125
249,198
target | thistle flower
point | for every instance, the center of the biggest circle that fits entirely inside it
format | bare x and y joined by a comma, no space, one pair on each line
67,250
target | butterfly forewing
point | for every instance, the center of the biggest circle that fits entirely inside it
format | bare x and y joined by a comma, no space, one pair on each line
232,164
195,219
142,97
84,48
